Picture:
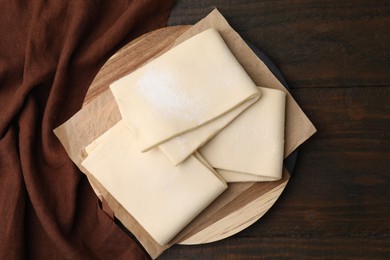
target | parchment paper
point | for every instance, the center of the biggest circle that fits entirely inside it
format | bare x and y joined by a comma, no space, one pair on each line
102,113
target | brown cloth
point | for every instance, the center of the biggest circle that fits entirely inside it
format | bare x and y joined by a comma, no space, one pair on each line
50,52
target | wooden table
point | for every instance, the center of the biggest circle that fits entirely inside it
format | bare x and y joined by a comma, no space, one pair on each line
336,57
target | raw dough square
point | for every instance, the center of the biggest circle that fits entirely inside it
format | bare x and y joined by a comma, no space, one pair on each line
251,148
189,93
161,197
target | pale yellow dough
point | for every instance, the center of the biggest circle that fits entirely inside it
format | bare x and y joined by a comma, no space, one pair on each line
163,198
185,96
251,148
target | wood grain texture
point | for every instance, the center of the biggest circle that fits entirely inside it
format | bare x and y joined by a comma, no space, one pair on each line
336,56
314,42
286,248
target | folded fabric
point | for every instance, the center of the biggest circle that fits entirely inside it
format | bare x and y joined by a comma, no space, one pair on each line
251,148
163,198
180,100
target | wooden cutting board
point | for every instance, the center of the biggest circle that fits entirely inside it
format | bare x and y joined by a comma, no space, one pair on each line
247,202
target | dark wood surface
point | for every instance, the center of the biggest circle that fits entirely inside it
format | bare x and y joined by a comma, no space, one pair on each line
336,57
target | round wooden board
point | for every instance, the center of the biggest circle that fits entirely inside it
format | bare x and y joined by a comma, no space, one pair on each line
248,201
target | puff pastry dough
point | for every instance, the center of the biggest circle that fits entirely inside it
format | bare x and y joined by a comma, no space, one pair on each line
251,148
161,197
185,96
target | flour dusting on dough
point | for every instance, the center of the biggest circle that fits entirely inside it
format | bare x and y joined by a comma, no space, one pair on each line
163,92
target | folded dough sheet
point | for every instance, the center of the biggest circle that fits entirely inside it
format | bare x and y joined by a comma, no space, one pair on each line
163,198
251,148
183,98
